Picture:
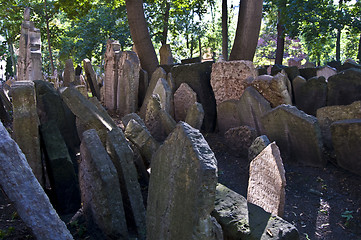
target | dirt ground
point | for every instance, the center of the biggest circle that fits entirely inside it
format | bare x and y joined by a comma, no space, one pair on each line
322,203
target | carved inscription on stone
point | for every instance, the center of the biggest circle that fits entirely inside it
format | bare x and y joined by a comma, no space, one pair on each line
266,185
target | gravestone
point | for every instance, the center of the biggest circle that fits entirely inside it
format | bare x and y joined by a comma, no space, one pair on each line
346,138
229,79
91,78
165,95
139,135
292,72
243,220
184,155
257,146
274,89
184,98
122,157
297,84
308,72
251,107
69,73
26,124
327,115
100,190
165,54
227,115
82,89
195,116
63,179
297,134
239,139
143,86
326,72
267,181
158,73
126,119
311,95
198,76
128,83
20,185
344,88
111,64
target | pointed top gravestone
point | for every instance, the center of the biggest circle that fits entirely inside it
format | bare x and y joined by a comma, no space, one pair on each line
184,98
69,73
91,78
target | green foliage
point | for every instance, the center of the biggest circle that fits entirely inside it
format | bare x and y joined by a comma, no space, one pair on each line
6,232
347,215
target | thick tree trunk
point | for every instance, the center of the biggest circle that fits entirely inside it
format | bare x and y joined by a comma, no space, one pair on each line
165,22
48,35
359,50
247,33
280,40
224,30
140,35
338,37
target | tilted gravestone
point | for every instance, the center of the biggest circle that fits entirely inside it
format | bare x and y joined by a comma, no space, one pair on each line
122,157
184,98
100,189
327,115
91,78
20,185
267,181
346,138
344,88
257,146
111,62
312,95
229,79
128,83
184,155
251,107
165,95
227,115
243,220
297,134
198,76
69,73
26,124
63,179
195,116
165,54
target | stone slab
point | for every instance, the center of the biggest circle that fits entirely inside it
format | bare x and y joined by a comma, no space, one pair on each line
195,116
184,98
257,146
91,78
227,115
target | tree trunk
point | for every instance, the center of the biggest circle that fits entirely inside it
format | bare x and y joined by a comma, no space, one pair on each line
140,35
359,50
165,22
200,47
247,33
48,35
338,37
280,35
224,30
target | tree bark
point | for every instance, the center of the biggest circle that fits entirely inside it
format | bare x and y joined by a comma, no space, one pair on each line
280,40
140,35
247,33
224,30
359,50
48,36
338,37
165,22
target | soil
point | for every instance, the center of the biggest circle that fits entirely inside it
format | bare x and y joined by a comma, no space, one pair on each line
323,203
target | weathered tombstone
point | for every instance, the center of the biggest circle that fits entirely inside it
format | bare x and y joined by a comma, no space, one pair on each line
165,95
191,60
100,190
227,115
165,54
88,114
297,134
184,155
198,77
243,220
346,138
122,157
171,82
195,116
267,181
274,89
257,146
63,179
229,79
158,73
128,83
312,95
20,185
276,69
308,72
139,135
78,71
327,115
239,139
297,84
292,72
251,107
184,98
91,78
347,65
69,73
26,125
326,72
111,64
82,89
344,88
